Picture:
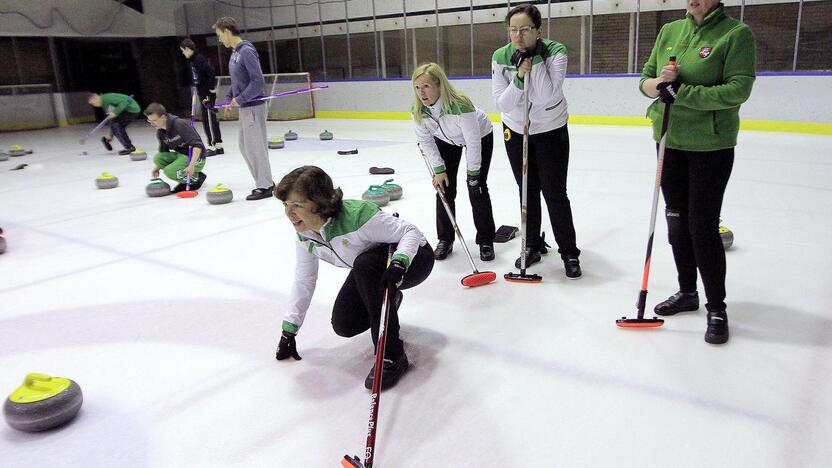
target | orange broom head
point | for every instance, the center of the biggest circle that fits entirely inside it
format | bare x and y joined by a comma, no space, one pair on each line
187,194
351,462
522,278
654,322
479,278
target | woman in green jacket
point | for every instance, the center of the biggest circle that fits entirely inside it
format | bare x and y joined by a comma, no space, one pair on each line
713,75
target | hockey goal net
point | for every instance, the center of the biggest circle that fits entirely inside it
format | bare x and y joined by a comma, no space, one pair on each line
294,107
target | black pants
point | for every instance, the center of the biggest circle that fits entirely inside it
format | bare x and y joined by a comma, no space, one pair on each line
548,165
118,125
693,184
209,121
358,305
477,195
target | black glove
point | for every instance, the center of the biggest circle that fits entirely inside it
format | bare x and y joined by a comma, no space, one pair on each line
521,54
393,275
287,348
667,91
474,185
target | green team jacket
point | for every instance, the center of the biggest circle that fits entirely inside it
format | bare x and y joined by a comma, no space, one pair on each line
716,63
117,103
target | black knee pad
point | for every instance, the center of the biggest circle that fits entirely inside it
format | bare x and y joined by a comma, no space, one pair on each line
677,226
346,331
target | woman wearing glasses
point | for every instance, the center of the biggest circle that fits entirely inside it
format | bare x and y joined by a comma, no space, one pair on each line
530,60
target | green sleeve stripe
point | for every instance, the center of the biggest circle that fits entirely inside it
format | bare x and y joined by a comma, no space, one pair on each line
290,327
439,169
473,173
518,82
402,258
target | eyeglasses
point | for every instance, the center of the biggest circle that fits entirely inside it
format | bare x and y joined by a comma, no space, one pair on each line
521,31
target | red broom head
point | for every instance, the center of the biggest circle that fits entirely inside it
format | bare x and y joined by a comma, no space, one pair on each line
187,194
479,278
624,322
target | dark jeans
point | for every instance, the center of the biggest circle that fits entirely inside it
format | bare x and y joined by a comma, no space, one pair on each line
358,305
693,184
118,125
209,121
478,195
548,165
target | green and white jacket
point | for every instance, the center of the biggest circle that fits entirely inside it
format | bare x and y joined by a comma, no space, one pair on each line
464,126
547,105
358,227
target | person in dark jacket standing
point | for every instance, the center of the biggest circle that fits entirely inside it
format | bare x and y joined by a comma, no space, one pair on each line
176,137
246,84
205,81
712,76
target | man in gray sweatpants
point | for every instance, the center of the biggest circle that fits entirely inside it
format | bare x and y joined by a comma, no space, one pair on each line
246,84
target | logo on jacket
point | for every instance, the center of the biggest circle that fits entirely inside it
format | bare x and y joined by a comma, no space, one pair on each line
506,134
705,51
345,242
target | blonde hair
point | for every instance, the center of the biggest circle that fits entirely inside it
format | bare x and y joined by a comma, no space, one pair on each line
449,95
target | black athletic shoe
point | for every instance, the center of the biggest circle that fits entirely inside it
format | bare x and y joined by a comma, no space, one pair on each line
717,332
486,252
679,302
260,193
219,151
126,151
209,152
199,181
106,142
532,257
391,372
573,267
443,249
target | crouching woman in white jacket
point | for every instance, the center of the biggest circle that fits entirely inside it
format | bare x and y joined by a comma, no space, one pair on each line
446,121
350,234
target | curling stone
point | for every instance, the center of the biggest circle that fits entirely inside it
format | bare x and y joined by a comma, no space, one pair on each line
157,188
290,135
138,155
2,244
106,181
4,156
727,237
276,143
326,135
377,195
220,195
394,190
17,150
43,402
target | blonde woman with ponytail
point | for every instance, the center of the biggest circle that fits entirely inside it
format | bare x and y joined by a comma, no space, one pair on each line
445,121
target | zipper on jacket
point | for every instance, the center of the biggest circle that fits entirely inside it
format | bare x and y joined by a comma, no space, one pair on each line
443,131
329,246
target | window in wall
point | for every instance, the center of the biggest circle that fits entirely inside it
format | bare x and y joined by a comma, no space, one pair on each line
337,67
426,46
455,47
312,57
567,31
394,58
610,43
287,56
363,55
814,52
488,37
774,28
